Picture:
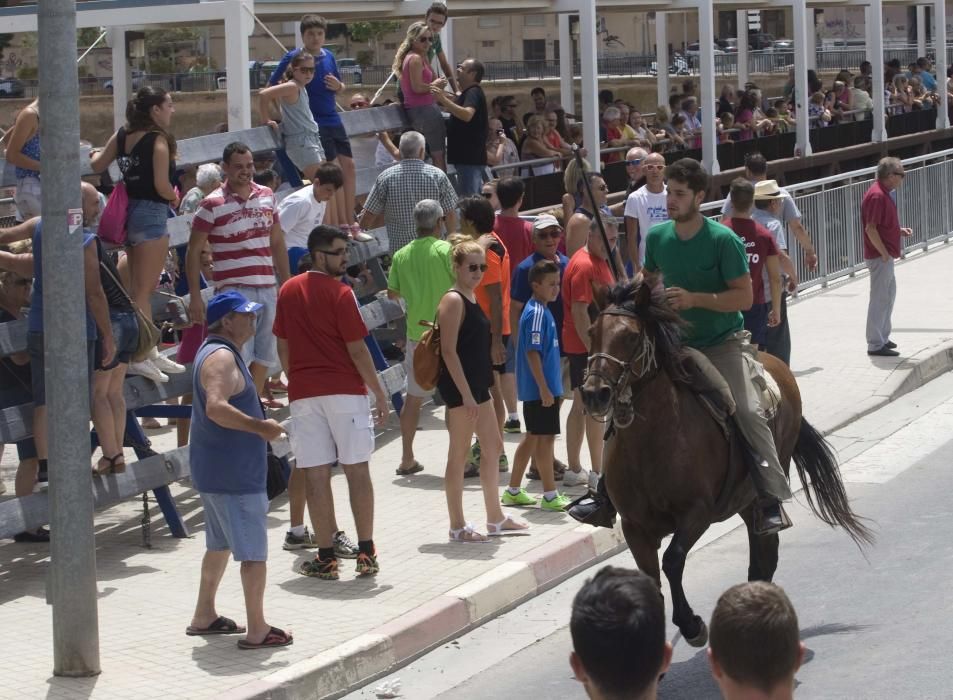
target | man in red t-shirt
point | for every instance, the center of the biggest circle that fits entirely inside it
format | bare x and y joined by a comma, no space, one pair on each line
882,234
588,267
321,346
764,263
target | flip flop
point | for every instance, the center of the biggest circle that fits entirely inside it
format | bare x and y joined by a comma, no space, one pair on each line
222,625
274,638
416,467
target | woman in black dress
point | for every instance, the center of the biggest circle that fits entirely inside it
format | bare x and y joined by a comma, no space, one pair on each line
464,382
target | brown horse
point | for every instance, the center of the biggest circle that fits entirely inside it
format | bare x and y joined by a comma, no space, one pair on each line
671,470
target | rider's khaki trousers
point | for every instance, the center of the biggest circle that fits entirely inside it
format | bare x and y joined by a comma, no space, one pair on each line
727,357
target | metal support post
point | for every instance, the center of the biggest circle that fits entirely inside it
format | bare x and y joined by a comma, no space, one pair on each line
661,56
811,39
239,24
72,575
939,47
121,84
921,30
874,19
567,83
590,80
801,12
742,17
706,51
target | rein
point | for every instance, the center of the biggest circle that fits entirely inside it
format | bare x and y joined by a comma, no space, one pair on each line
643,357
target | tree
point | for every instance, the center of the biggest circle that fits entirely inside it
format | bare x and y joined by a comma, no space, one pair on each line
161,46
86,36
5,41
372,32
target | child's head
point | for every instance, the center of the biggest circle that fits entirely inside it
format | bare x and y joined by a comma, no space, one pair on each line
301,67
678,121
754,642
544,280
817,98
781,106
313,28
267,178
771,113
727,120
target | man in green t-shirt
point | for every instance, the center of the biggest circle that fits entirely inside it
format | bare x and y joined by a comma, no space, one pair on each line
421,273
705,271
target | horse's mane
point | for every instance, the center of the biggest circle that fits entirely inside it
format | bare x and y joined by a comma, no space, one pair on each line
660,320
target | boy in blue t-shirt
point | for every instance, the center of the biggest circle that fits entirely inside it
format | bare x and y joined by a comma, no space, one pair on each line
539,386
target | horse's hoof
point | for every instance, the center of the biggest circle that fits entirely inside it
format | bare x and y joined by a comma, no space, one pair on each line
700,639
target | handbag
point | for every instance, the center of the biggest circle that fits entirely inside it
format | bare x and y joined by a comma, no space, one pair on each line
112,221
279,471
427,357
148,333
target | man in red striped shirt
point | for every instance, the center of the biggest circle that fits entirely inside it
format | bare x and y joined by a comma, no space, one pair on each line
240,222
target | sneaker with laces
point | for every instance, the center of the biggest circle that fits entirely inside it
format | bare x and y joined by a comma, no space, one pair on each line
558,504
343,547
512,426
593,480
579,478
148,370
367,564
293,541
167,365
504,462
318,568
473,457
520,499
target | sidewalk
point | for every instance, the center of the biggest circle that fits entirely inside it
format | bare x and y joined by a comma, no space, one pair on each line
428,589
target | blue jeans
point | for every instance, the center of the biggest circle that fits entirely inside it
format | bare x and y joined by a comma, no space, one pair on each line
469,179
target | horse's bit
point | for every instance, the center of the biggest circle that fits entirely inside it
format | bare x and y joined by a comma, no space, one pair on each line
644,354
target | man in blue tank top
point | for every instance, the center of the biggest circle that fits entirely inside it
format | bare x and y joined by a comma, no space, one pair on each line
227,453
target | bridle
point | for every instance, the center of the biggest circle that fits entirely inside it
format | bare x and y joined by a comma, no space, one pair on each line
640,364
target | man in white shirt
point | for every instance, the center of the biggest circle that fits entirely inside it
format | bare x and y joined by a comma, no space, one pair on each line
860,98
301,211
645,207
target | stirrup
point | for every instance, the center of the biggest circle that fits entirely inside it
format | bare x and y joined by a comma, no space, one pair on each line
762,530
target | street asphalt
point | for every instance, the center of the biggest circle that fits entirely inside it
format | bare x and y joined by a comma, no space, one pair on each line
876,623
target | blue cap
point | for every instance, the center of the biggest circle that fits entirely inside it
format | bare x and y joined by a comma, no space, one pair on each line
223,304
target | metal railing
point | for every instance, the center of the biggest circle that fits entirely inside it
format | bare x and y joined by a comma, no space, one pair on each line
830,210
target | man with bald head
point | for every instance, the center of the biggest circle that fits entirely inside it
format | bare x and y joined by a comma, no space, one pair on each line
645,207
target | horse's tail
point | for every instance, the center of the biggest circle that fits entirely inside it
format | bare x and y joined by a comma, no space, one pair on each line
817,468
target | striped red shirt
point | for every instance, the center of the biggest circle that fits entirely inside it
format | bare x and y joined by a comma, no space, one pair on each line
239,232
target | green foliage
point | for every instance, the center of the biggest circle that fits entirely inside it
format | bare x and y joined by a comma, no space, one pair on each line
162,43
5,41
28,73
86,36
373,31
365,58
335,30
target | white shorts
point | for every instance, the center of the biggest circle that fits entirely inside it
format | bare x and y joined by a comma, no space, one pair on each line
325,429
413,389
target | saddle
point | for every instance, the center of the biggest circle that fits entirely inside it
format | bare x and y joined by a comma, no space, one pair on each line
704,379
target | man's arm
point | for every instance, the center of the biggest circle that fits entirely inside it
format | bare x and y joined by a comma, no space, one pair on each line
370,220
361,358
773,264
193,274
495,294
20,232
96,300
737,297
283,355
580,319
221,379
810,256
450,221
516,310
448,70
279,252
18,263
632,241
874,236
464,114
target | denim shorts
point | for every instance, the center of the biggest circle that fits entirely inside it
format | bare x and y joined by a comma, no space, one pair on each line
27,198
125,327
146,220
237,522
34,343
17,396
263,348
335,143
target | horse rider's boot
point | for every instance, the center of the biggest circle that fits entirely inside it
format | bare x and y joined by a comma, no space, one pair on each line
595,508
773,518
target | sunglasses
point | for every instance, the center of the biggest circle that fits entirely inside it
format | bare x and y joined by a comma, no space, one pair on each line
545,235
305,69
335,253
655,167
634,162
425,39
473,267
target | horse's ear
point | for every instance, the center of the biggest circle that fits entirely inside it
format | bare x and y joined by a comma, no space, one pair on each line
651,283
600,294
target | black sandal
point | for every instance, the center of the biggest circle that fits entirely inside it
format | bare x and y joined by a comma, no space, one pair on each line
112,467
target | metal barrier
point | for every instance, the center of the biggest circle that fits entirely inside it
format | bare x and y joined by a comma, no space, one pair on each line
830,208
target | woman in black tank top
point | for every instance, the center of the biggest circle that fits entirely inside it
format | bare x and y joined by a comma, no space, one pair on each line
465,378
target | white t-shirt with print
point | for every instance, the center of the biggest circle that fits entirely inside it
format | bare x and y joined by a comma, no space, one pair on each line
649,208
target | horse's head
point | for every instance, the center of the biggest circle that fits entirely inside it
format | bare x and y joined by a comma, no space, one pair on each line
621,349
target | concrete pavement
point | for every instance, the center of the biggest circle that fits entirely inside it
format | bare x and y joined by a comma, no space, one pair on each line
428,589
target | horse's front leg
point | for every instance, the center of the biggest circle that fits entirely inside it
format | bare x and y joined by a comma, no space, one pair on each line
644,548
687,532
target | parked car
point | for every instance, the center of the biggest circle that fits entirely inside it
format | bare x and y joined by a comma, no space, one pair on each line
692,49
350,67
11,87
758,41
782,45
729,45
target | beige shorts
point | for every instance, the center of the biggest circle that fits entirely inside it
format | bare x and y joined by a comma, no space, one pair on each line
413,389
326,429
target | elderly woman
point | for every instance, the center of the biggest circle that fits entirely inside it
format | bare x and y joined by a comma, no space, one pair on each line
500,149
208,178
535,146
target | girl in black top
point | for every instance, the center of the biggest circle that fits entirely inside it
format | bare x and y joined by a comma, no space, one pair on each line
145,150
464,382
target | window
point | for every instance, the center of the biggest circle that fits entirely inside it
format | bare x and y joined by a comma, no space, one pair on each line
534,49
488,44
489,22
534,20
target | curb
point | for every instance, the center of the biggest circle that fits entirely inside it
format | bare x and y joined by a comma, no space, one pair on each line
359,661
354,663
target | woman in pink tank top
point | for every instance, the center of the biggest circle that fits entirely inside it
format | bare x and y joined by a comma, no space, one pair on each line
412,68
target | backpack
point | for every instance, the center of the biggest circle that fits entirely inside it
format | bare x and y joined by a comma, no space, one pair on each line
427,357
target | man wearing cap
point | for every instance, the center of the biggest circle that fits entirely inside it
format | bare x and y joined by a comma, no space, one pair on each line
421,274
645,207
321,345
882,244
228,457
